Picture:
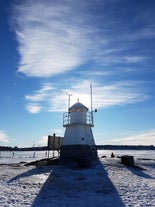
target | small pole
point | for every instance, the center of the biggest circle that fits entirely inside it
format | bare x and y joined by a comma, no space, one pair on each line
53,144
48,146
59,147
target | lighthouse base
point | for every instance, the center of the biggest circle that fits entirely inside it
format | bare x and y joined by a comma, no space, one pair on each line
78,152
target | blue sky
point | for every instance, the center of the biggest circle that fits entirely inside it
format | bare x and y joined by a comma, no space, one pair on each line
51,48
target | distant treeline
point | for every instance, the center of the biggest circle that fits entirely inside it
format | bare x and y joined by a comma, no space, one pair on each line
125,147
5,148
99,147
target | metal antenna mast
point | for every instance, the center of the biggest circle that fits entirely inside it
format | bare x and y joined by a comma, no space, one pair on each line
91,97
69,95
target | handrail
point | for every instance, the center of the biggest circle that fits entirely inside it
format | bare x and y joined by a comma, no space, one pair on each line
69,118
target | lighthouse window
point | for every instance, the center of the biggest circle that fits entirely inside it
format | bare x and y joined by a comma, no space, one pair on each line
82,138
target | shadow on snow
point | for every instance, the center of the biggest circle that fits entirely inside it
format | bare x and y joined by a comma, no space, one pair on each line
139,172
35,171
79,188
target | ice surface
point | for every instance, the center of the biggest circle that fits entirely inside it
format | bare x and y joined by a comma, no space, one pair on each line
106,184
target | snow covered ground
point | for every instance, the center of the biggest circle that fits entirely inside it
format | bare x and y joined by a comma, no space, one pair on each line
107,183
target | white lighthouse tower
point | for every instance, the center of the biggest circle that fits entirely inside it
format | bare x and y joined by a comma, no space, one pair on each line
78,143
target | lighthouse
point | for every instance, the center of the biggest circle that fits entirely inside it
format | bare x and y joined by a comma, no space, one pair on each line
78,143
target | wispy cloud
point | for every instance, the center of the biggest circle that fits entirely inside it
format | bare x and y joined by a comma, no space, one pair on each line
141,138
33,108
55,37
134,59
34,100
58,37
52,37
119,93
41,94
3,137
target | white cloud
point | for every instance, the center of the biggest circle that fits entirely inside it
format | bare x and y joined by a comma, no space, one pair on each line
43,141
33,108
133,59
52,37
41,94
107,58
119,93
141,138
58,132
3,137
57,36
55,99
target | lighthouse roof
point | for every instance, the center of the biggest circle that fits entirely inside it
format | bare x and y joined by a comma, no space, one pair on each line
78,106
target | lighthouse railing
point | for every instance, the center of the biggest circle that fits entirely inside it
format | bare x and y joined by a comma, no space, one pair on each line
83,118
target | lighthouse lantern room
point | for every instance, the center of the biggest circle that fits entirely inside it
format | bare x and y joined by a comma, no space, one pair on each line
78,142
